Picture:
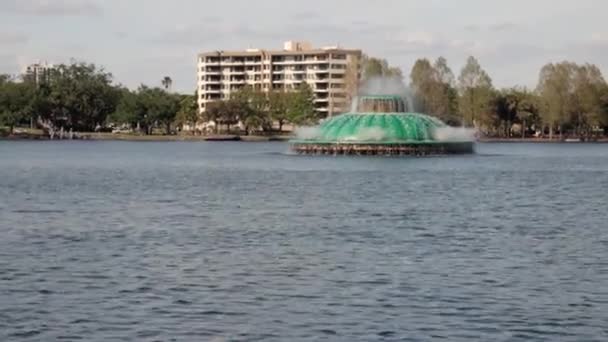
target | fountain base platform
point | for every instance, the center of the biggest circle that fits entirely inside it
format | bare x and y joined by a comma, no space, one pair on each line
383,149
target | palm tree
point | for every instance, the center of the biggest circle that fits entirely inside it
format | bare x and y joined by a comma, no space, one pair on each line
167,82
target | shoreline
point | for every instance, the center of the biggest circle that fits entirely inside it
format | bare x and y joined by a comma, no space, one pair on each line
540,141
248,138
156,138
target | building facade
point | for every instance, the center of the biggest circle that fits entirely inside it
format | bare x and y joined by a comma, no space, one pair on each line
38,72
331,72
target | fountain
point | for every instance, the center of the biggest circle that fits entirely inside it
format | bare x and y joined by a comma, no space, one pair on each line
380,125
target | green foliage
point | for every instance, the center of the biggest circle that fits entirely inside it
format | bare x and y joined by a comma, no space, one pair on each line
215,112
256,109
15,103
476,93
5,79
223,113
251,108
78,96
300,106
159,107
147,108
188,111
278,102
603,114
571,97
379,68
513,106
433,87
127,110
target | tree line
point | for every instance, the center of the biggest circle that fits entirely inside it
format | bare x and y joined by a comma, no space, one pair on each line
82,97
569,99
254,109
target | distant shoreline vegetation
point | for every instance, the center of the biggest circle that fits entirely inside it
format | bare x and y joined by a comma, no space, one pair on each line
570,101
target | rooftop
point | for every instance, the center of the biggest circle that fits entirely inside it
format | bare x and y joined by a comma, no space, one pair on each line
290,48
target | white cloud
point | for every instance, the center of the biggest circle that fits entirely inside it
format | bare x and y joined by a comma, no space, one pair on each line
51,7
599,37
143,40
420,37
11,38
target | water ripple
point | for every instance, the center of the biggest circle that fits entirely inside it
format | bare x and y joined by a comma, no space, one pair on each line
241,242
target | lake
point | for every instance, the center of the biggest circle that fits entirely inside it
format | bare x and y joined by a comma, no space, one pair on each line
228,241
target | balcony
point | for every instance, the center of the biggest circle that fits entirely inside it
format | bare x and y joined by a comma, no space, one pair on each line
316,61
211,82
211,72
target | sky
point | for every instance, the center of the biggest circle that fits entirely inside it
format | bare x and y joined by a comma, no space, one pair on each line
141,41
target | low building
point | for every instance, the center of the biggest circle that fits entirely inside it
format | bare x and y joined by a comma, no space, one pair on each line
331,72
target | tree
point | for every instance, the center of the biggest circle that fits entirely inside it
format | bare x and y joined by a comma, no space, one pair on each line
15,103
160,107
379,77
475,88
423,81
147,108
373,67
604,111
352,79
252,108
300,108
128,110
278,107
222,113
588,88
527,111
188,111
433,87
214,113
379,68
554,89
80,96
446,104
571,97
167,82
232,109
4,78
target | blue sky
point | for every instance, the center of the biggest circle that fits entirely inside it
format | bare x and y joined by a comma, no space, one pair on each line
140,41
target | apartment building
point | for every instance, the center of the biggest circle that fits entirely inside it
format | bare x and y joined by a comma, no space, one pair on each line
328,71
38,72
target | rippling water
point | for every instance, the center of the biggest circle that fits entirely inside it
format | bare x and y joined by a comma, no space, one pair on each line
120,241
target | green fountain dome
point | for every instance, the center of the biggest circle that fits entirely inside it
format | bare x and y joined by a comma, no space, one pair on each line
376,128
379,124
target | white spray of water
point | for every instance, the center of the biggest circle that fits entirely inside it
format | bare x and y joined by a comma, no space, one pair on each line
386,86
454,134
383,86
369,134
305,133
